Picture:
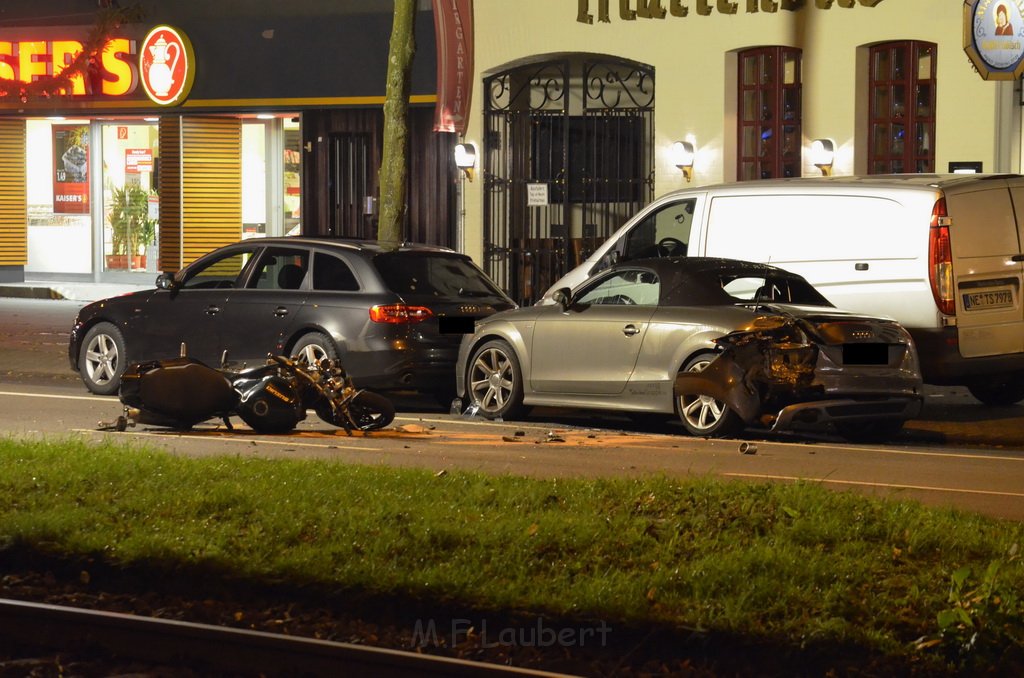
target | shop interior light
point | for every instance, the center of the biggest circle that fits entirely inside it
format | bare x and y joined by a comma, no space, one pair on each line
465,159
823,153
265,116
682,157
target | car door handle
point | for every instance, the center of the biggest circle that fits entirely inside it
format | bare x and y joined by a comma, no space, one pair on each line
212,309
630,330
1017,257
280,311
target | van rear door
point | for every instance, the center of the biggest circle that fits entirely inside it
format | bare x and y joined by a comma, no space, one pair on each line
988,273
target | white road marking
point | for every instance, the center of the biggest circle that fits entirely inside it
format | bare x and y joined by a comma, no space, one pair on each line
894,486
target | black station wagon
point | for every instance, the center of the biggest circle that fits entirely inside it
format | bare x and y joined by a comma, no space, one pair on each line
392,314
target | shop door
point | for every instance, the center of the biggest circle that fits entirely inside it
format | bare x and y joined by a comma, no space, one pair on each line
352,208
130,202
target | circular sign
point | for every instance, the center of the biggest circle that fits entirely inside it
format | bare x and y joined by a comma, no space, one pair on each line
994,37
166,65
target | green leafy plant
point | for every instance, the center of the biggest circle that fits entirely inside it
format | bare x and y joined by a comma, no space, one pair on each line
133,229
985,617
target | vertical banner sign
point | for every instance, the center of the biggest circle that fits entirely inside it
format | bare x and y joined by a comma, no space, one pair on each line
71,169
453,26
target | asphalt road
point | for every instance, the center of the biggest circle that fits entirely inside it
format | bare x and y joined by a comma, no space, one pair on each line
958,453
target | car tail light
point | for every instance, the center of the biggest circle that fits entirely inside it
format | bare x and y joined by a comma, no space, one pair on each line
940,259
399,313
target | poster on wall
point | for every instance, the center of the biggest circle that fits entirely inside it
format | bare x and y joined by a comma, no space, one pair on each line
70,169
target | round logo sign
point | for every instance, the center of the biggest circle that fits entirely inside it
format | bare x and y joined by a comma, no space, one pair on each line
166,65
994,37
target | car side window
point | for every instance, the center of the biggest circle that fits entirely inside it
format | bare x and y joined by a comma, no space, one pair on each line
219,273
280,268
668,227
332,274
628,288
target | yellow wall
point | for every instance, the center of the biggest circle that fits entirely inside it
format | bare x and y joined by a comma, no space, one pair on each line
974,117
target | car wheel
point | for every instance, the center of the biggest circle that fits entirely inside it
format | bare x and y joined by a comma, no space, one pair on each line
701,414
102,360
495,382
999,394
311,348
869,431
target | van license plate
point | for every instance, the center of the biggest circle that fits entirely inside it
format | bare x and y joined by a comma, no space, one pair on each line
981,300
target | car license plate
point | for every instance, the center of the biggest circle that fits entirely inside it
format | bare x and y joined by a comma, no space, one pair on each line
982,300
456,325
865,354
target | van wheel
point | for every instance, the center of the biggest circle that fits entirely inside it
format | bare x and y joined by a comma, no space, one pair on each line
999,394
869,431
701,414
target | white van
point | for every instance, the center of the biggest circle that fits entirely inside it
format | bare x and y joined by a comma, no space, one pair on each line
939,253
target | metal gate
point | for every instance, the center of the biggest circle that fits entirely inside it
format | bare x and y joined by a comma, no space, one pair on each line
351,212
568,157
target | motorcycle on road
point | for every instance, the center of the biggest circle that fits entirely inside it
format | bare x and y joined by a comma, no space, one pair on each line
181,392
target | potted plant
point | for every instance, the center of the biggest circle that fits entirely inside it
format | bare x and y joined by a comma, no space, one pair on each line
133,229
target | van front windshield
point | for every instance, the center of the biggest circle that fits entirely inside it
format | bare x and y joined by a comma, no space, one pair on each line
663,233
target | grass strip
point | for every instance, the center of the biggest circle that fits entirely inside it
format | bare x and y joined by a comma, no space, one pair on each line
794,561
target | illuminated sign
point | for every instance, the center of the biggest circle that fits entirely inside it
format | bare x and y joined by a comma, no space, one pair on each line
112,72
167,65
994,37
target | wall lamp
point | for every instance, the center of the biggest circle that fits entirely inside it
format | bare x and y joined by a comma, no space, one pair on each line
823,152
465,159
682,157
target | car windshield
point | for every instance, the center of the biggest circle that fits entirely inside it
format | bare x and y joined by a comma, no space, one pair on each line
437,275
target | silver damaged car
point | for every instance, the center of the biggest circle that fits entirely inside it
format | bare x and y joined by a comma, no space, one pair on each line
724,345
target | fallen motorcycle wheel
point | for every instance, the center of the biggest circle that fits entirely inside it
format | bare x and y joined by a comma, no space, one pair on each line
370,411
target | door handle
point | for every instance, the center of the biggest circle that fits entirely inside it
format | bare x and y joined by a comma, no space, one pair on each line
212,309
630,330
1017,257
280,311
860,267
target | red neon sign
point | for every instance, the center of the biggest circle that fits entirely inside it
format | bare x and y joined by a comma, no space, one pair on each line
112,72
167,65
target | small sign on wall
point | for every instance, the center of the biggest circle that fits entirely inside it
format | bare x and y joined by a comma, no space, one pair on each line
537,195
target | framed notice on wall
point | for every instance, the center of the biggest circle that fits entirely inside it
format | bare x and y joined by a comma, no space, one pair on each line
70,169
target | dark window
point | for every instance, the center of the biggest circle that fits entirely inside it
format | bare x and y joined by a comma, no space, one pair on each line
436,276
901,134
280,269
332,274
605,155
770,115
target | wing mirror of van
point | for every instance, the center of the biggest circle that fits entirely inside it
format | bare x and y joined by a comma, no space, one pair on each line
607,261
561,296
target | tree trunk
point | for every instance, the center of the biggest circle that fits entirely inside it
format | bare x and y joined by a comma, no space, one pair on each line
393,169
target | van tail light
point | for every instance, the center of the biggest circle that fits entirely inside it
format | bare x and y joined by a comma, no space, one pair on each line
397,314
940,259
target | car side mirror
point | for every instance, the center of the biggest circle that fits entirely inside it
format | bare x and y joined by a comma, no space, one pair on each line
165,281
561,297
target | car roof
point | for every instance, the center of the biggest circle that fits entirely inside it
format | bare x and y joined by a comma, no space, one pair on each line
356,244
695,265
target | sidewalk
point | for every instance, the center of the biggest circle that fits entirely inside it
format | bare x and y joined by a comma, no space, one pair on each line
71,291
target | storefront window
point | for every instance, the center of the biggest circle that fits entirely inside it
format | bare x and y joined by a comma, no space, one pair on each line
271,177
130,202
58,173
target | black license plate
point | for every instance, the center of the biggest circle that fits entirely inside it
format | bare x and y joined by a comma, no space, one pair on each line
865,354
456,325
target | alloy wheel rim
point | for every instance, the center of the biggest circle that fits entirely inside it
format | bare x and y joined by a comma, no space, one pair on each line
702,412
491,380
101,359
